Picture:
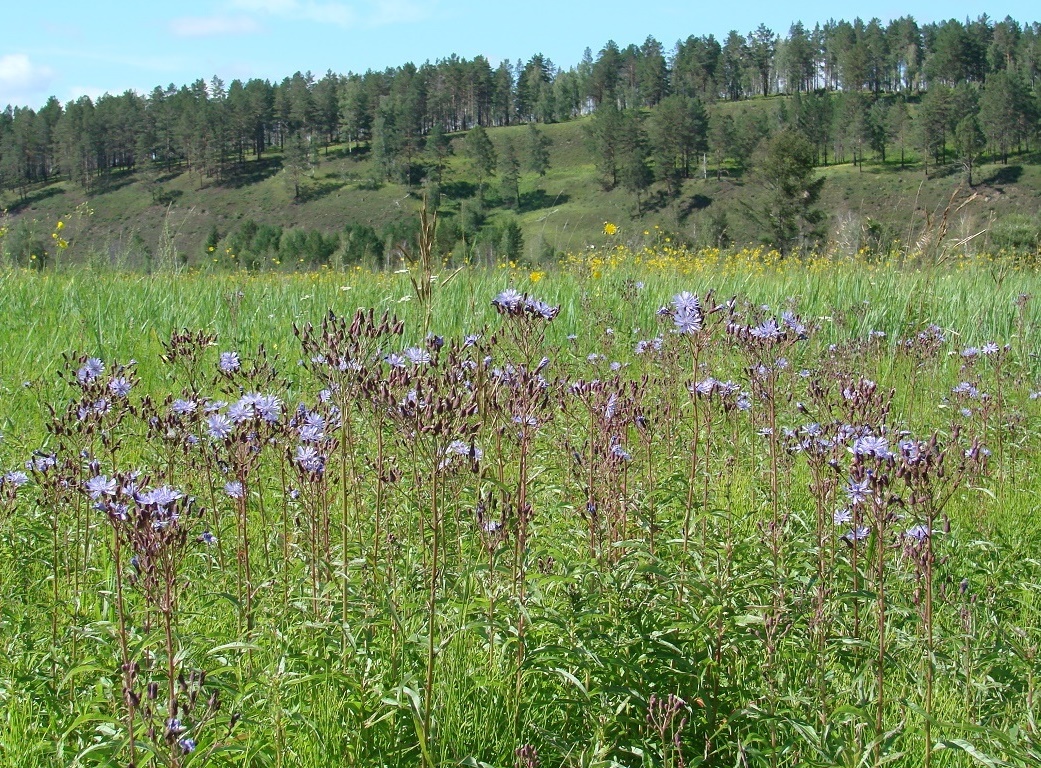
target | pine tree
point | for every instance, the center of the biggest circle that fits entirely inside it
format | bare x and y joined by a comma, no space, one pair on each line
509,176
784,165
481,152
538,150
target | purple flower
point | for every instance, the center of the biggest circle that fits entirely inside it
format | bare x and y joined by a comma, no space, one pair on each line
234,489
241,411
768,330
508,301
99,486
686,302
310,433
162,496
309,459
705,386
90,370
919,533
540,309
687,321
270,408
184,407
990,348
870,445
856,491
842,516
42,462
16,478
857,534
208,538
394,360
120,387
618,452
471,339
229,362
417,355
218,426
187,745
461,448
791,322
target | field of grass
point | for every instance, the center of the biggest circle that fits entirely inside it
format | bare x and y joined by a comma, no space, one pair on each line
787,519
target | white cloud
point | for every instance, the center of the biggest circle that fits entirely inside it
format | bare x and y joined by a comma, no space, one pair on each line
21,80
214,26
371,13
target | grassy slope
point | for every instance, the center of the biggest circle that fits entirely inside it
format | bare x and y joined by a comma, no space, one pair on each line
565,209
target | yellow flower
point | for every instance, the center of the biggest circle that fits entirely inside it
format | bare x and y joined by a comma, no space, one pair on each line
536,276
610,229
60,225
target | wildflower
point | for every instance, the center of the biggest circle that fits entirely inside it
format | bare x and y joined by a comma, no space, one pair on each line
792,323
162,496
218,426
610,229
417,355
618,452
234,489
310,433
768,330
229,362
989,348
184,407
856,491
269,407
687,321
187,745
856,534
394,360
119,387
540,309
99,486
705,387
208,538
16,479
870,445
309,459
919,533
90,370
842,516
508,301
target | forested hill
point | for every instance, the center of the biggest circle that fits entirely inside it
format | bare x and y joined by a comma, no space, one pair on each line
848,132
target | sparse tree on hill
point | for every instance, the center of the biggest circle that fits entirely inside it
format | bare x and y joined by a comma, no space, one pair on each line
538,150
481,152
509,176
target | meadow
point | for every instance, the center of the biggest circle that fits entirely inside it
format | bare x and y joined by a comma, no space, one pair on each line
651,507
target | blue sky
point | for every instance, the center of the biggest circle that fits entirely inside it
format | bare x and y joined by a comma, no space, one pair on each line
68,49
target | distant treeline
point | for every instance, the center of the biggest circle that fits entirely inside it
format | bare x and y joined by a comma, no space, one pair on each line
210,129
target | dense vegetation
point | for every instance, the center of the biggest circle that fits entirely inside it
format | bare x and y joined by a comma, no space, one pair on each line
789,523
893,96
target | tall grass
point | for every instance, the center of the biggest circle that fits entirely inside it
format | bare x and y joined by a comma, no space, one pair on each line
795,527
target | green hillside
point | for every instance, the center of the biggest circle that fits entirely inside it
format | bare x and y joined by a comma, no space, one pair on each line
135,217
